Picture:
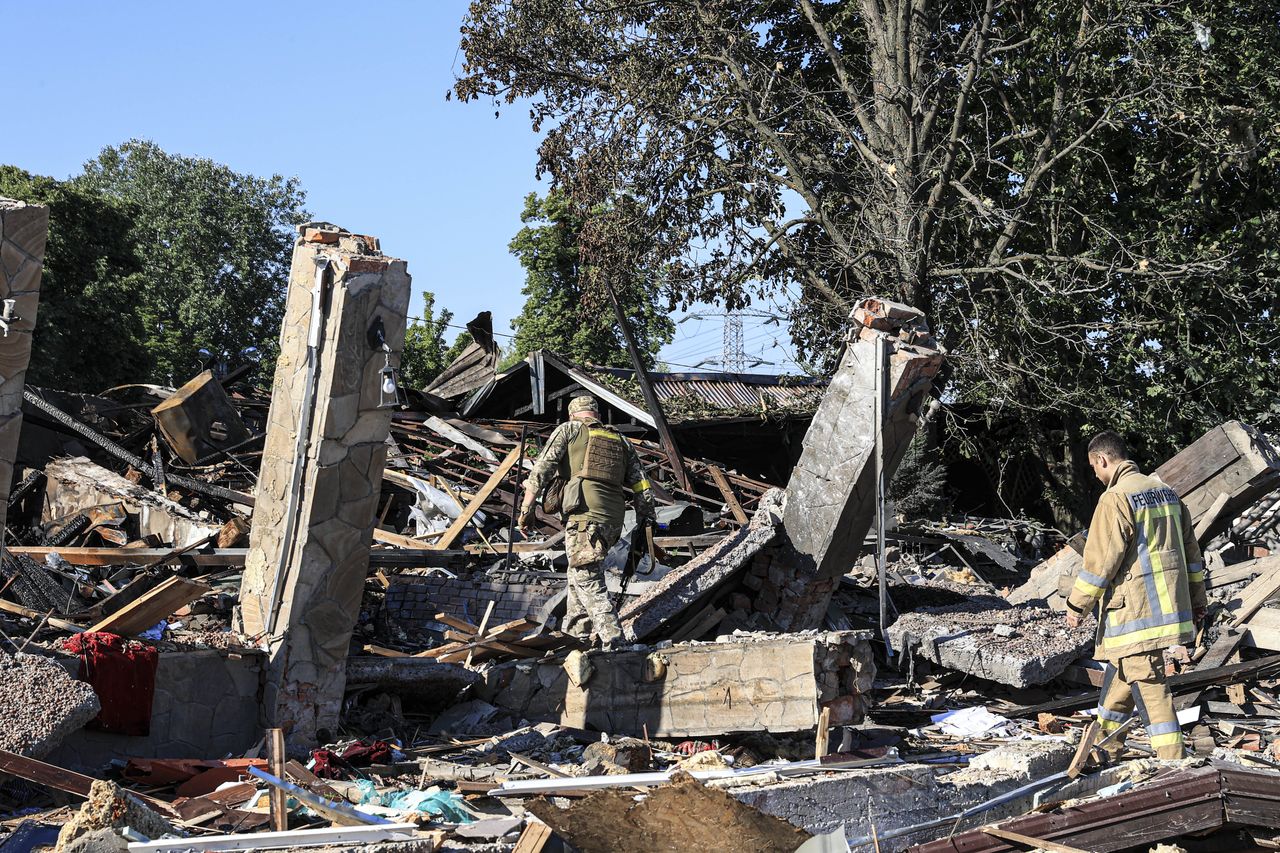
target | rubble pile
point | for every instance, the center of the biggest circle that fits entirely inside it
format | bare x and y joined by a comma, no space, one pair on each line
313,613
40,704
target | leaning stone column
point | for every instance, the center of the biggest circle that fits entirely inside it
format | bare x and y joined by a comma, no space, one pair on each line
23,231
312,524
832,491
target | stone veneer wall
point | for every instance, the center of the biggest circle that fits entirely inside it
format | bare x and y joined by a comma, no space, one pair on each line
24,228
327,559
207,705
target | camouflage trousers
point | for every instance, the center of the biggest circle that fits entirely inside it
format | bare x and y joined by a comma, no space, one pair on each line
588,613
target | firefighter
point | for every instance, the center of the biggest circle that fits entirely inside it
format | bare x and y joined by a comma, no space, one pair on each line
1144,574
599,468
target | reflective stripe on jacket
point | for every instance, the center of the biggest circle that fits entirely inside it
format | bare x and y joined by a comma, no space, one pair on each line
1142,567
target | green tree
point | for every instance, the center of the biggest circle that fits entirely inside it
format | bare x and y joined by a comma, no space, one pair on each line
425,353
1081,196
214,248
88,337
563,312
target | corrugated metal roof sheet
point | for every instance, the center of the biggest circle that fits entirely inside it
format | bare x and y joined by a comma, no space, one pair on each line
734,390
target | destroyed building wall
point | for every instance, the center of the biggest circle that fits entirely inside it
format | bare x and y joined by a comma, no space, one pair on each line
75,484
412,601
207,703
776,683
24,230
831,496
312,527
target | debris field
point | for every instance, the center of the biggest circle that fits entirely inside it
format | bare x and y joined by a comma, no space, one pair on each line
302,617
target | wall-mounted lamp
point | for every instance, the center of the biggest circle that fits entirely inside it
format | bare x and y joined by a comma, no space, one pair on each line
389,379
389,396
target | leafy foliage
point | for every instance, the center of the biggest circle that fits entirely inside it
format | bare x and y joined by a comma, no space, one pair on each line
425,354
919,486
213,248
1081,196
87,335
562,311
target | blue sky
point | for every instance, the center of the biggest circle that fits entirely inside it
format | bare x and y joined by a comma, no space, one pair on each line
349,98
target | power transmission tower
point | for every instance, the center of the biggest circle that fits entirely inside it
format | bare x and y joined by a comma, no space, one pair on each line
732,356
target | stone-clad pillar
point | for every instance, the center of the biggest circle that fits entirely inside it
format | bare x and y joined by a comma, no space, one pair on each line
309,545
23,231
831,494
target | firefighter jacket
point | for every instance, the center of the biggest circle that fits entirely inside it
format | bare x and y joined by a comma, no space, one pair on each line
1142,567
590,498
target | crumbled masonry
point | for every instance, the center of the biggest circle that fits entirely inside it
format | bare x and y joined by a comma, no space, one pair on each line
774,683
1019,646
110,807
40,704
415,664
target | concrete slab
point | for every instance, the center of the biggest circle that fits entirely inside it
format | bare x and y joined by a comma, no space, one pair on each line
891,798
1018,646
776,683
683,588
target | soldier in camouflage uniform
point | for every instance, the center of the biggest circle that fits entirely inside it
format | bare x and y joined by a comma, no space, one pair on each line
599,468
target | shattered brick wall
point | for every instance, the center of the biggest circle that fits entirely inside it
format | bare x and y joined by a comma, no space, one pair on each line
321,566
412,602
24,228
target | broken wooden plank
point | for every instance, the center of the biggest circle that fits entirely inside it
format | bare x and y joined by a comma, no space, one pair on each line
346,837
229,557
387,537
1216,509
477,500
371,649
279,799
484,621
726,492
534,839
59,778
454,622
1028,841
1182,683
150,609
1256,594
18,610
1264,629
551,543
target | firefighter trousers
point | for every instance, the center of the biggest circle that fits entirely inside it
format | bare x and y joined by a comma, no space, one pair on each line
1137,682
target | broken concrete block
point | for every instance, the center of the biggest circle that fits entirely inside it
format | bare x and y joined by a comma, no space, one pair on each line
974,637
881,800
1033,759
683,588
198,419
40,704
832,491
776,683
111,807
